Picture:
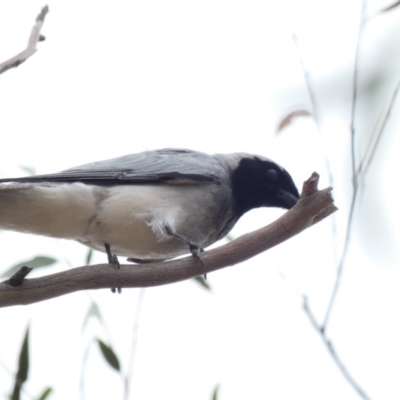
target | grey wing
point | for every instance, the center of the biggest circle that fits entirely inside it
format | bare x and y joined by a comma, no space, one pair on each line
174,166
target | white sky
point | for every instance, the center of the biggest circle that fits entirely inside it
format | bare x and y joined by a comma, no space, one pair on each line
119,77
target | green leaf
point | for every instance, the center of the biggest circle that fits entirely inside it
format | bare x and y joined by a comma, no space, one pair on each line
109,355
93,311
45,394
204,283
229,238
215,392
27,169
89,256
288,119
36,262
23,367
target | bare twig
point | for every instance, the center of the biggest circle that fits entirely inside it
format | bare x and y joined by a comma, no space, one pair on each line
354,175
19,276
333,352
391,7
315,114
341,263
362,169
313,101
355,94
375,138
357,172
31,48
135,332
312,206
307,80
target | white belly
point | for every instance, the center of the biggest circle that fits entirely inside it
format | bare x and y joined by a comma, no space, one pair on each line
131,219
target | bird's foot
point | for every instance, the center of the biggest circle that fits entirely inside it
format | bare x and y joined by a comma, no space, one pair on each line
112,258
196,251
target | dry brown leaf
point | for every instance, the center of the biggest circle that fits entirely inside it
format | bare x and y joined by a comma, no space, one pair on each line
290,117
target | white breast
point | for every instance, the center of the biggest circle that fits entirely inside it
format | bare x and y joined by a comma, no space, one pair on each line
132,220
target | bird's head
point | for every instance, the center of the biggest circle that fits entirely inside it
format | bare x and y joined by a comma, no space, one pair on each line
260,182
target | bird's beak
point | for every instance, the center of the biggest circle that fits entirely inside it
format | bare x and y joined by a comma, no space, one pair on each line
287,198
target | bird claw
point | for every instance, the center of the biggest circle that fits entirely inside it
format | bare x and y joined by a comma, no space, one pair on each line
196,251
115,261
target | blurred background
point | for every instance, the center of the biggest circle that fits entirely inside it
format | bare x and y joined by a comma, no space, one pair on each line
310,84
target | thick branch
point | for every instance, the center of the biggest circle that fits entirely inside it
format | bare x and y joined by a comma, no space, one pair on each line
313,206
31,47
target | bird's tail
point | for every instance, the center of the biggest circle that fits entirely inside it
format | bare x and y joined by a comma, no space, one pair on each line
61,211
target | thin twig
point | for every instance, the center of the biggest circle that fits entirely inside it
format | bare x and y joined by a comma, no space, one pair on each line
135,331
329,345
364,166
34,38
355,95
354,176
315,113
391,7
307,79
314,106
341,264
360,171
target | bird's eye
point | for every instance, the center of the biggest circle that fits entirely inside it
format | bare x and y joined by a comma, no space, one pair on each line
272,174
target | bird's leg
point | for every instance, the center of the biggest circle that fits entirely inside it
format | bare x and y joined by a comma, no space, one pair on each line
194,249
113,260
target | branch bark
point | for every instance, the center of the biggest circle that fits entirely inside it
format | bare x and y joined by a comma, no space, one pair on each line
31,48
313,206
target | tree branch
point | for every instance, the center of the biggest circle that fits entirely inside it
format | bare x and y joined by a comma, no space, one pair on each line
312,207
31,48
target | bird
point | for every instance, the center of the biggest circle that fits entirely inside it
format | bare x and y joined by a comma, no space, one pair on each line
149,206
